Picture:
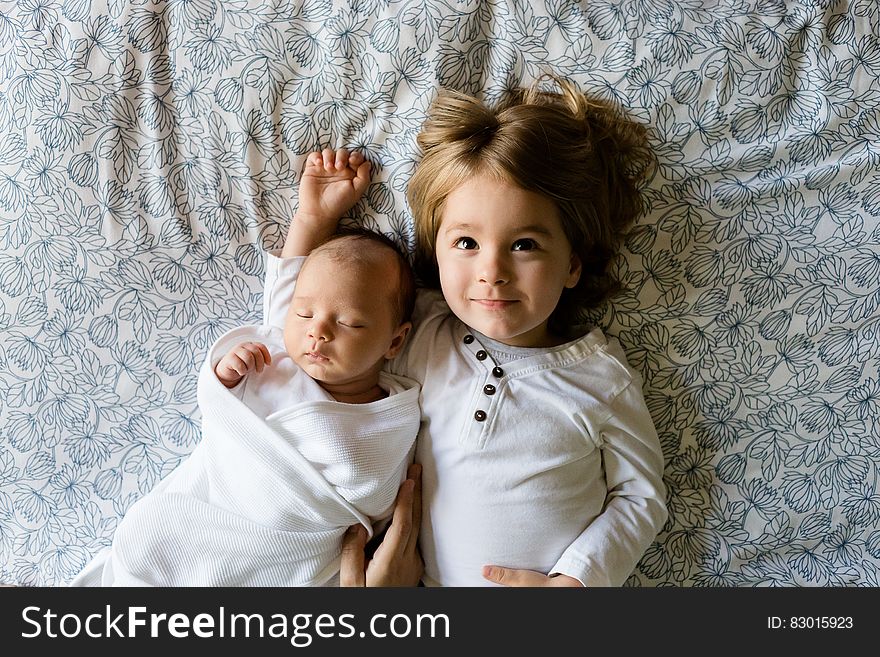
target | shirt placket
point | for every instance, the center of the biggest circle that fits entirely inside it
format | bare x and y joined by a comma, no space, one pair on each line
484,402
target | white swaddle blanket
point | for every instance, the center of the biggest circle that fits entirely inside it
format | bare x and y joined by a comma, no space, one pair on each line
264,502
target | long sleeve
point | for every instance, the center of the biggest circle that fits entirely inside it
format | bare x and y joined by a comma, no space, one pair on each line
281,275
607,551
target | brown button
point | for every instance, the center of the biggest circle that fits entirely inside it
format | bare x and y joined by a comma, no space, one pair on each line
480,416
481,355
489,389
468,339
497,372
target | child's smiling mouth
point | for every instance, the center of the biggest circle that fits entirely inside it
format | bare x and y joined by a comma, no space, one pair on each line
495,304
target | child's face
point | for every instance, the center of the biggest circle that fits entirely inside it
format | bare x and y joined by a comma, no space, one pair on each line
340,327
504,260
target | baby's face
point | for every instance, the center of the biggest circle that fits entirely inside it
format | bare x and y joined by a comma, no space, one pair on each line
340,327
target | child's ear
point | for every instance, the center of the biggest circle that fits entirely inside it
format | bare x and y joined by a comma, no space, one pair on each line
574,272
399,339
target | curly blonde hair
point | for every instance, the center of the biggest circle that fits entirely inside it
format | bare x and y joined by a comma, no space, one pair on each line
580,152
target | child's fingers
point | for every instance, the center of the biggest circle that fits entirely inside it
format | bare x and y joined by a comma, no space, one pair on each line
514,577
352,571
362,178
341,158
414,472
231,364
401,529
259,358
328,156
243,359
267,357
257,354
337,160
253,355
224,367
246,358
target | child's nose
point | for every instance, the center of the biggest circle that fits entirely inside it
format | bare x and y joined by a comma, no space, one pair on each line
493,269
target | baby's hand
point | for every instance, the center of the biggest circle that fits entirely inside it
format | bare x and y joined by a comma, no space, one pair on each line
332,182
246,357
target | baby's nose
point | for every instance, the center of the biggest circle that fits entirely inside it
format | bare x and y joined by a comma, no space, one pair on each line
320,330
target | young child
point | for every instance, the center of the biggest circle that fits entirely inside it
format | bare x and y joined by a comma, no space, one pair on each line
303,433
540,462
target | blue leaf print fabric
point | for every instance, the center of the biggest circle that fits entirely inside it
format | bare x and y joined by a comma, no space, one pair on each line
150,151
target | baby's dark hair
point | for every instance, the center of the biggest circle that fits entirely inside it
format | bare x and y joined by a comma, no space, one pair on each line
578,151
354,244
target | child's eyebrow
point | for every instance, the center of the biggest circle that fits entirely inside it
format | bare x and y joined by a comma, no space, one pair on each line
530,228
458,226
534,228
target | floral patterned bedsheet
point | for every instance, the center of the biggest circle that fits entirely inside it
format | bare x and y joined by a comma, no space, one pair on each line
150,151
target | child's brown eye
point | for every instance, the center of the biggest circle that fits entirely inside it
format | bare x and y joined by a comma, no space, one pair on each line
466,243
524,245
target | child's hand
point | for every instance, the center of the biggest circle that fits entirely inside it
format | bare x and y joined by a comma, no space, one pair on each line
332,182
246,357
513,577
